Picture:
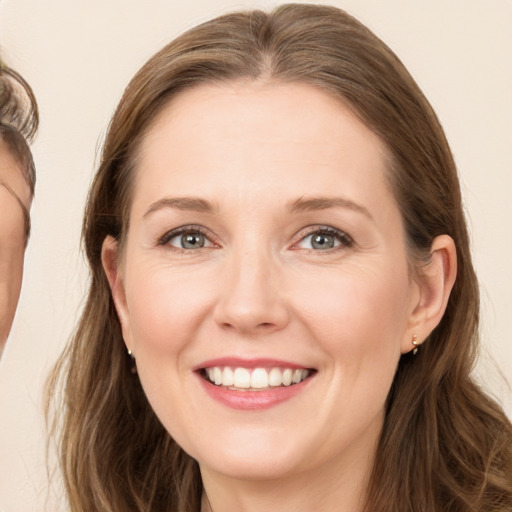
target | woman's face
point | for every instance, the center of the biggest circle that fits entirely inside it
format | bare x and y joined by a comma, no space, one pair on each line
265,246
13,191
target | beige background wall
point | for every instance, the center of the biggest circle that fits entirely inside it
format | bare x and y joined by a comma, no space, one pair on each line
79,55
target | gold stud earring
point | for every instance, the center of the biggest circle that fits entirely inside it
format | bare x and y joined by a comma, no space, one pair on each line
415,343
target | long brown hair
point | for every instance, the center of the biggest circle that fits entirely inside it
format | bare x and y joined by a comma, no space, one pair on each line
445,444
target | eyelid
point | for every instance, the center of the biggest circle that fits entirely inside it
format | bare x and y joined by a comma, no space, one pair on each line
181,230
344,238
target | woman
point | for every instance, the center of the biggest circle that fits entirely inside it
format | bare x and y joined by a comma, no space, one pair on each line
18,124
283,311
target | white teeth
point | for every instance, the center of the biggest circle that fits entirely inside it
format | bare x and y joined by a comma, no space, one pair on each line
297,376
287,377
258,378
275,377
228,378
217,376
242,378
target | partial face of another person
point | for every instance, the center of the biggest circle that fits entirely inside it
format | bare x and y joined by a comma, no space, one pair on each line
265,288
14,192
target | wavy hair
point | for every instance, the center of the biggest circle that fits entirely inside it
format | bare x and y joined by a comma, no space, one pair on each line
19,121
445,444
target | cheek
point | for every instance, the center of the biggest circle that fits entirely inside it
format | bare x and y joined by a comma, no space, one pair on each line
165,310
358,319
165,307
357,313
12,251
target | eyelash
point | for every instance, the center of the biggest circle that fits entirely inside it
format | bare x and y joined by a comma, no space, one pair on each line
184,230
345,240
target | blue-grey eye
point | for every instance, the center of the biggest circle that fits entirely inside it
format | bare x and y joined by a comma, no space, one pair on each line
189,240
324,240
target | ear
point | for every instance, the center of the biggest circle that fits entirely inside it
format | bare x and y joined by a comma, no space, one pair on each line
111,265
435,282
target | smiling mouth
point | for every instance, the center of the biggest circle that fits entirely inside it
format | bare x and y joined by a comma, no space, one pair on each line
255,379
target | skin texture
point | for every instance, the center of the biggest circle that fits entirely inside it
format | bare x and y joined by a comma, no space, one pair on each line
13,191
258,288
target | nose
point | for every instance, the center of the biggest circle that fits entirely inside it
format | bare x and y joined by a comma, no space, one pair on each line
252,299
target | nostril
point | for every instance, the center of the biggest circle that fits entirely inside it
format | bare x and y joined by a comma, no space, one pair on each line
262,327
250,312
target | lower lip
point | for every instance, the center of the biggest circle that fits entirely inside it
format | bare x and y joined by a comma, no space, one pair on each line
253,400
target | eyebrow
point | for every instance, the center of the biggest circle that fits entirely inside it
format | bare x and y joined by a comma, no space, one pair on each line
26,213
195,204
304,204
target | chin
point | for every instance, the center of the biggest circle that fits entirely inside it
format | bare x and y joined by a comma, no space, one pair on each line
251,468
263,454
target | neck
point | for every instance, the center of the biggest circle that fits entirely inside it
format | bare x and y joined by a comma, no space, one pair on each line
327,490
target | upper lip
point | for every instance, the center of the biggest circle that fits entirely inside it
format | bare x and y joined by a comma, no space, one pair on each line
237,362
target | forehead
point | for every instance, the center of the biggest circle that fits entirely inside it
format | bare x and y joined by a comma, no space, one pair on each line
254,135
